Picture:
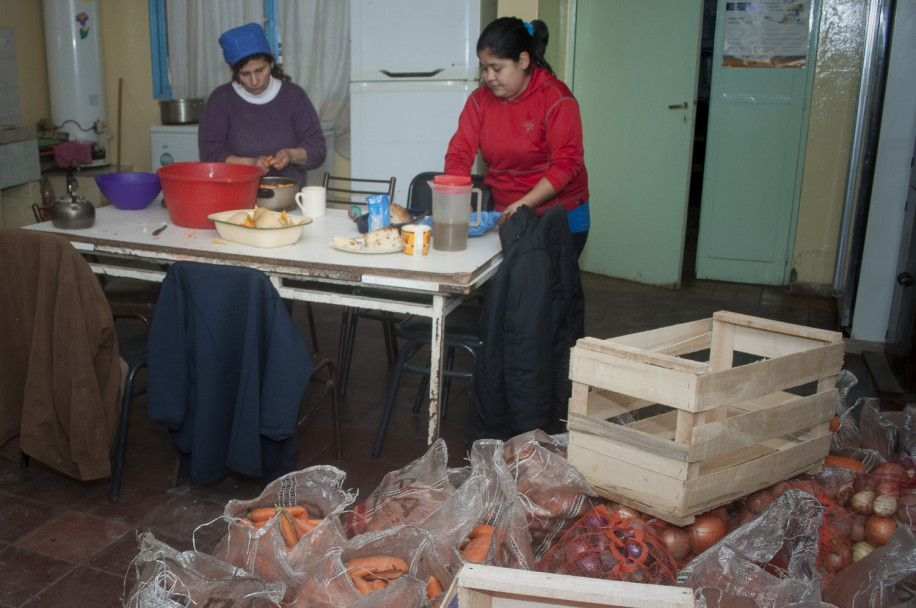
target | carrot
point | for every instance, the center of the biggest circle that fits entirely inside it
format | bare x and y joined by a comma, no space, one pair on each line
363,586
297,511
378,584
288,529
303,526
262,514
433,587
844,462
377,564
834,424
476,550
481,530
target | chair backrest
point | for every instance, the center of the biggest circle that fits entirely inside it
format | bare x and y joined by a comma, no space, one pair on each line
420,196
346,191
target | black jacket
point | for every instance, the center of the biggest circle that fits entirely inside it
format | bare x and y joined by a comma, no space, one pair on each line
531,317
227,368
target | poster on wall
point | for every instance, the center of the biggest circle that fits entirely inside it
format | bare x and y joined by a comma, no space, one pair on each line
768,33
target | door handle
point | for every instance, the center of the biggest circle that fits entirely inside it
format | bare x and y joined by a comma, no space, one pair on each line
680,106
429,74
905,279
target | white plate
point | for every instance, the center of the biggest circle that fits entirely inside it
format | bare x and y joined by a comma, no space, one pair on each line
258,237
389,249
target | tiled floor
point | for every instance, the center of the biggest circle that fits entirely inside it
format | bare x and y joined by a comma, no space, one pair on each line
62,543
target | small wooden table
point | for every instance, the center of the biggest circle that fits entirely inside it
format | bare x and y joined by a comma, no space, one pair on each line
122,243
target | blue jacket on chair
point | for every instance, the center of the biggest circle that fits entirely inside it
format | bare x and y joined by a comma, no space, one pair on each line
226,372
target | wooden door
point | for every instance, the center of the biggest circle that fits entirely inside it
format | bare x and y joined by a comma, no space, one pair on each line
635,77
754,154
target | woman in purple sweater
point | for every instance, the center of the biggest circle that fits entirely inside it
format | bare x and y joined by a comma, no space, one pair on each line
260,118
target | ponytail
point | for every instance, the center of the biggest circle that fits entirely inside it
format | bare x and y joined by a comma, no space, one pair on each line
509,37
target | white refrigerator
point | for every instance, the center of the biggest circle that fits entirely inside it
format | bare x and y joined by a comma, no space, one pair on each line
413,64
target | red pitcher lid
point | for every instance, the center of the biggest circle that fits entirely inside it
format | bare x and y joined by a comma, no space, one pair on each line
452,180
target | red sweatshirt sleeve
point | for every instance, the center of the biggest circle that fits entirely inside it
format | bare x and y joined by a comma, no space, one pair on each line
563,126
462,149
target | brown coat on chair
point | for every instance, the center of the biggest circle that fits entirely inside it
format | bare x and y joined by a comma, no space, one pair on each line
60,376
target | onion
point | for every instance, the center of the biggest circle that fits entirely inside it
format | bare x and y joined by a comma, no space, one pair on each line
878,530
906,509
884,505
844,494
677,541
840,558
758,501
862,501
864,482
888,488
861,549
627,512
857,528
890,467
705,531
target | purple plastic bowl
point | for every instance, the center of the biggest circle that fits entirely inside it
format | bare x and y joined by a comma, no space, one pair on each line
129,191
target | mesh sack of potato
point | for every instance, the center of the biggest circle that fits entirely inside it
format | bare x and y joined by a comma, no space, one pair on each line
408,495
168,578
555,492
392,567
283,532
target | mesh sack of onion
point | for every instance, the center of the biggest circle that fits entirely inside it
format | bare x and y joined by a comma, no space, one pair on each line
604,544
554,492
741,563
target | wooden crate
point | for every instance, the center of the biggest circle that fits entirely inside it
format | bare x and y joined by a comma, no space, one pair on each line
679,420
480,586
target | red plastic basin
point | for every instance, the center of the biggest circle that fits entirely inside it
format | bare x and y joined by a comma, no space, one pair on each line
192,191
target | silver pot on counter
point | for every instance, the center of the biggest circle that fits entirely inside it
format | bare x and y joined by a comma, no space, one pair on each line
180,111
277,193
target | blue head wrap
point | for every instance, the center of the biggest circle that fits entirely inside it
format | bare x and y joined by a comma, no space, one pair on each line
530,28
243,41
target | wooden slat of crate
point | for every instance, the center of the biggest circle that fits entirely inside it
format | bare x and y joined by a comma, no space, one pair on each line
653,383
605,404
709,491
672,340
762,423
768,376
481,586
778,327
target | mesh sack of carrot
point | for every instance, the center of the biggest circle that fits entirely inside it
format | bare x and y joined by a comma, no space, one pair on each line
392,567
168,578
282,533
408,495
741,564
555,493
504,515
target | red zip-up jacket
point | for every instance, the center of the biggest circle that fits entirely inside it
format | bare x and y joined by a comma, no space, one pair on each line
537,134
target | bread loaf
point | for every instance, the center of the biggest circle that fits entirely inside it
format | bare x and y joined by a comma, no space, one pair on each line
383,237
399,215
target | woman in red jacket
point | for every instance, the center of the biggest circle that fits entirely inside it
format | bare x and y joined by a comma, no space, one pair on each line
526,125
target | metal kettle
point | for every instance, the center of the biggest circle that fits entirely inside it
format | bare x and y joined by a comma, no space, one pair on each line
72,212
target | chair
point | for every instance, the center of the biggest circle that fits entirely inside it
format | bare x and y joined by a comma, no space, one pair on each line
35,261
128,298
227,372
419,196
345,192
460,333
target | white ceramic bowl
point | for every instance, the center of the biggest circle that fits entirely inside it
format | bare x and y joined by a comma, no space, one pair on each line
259,237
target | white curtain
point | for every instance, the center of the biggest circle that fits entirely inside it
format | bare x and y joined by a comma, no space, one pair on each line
315,39
196,64
315,36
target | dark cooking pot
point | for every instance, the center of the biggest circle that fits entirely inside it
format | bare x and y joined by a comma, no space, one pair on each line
277,193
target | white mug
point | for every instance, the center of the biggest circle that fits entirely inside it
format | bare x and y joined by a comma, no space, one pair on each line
416,239
312,201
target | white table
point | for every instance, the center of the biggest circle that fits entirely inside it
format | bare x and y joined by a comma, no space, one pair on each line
309,270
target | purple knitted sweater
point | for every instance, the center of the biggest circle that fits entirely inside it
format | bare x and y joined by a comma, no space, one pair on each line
231,125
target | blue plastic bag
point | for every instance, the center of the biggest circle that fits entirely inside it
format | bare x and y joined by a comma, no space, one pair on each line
488,220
